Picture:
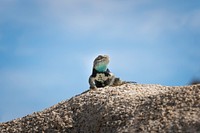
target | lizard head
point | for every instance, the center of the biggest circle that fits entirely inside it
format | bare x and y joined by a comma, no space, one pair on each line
101,62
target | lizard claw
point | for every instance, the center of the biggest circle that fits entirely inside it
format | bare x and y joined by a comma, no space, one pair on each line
93,88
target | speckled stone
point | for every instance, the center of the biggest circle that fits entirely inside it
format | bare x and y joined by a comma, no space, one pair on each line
127,108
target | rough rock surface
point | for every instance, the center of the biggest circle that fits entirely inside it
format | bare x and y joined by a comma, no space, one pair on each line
127,108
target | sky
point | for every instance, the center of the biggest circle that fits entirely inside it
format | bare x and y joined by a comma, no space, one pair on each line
47,47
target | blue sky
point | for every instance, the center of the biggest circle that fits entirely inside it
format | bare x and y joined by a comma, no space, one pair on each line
47,47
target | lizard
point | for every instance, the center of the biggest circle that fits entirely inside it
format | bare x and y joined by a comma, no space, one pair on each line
101,75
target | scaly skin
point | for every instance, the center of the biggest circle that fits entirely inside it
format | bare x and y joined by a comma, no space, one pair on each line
101,75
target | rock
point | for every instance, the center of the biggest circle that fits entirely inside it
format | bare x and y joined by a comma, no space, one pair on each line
127,108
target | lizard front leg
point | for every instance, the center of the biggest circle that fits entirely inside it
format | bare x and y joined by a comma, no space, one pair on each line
112,79
92,83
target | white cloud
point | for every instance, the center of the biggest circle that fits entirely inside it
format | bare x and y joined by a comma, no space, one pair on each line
91,16
113,19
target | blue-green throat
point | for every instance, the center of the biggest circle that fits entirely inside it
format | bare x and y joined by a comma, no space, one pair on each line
101,67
